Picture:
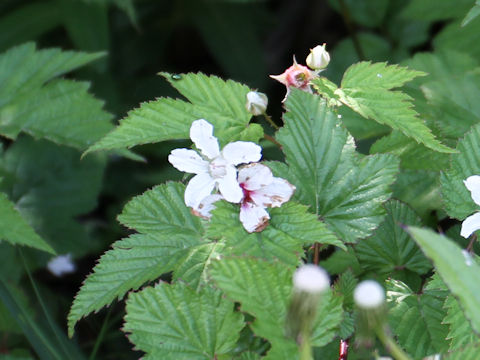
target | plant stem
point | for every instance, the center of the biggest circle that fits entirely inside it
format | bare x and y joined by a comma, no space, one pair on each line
101,335
391,345
473,238
42,305
343,351
272,139
351,29
316,253
270,121
305,347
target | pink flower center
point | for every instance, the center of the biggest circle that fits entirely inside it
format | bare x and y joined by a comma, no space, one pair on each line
297,76
247,194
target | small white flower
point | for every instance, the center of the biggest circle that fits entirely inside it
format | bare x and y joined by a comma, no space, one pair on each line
206,206
311,278
61,265
472,223
215,168
319,58
260,190
256,102
369,294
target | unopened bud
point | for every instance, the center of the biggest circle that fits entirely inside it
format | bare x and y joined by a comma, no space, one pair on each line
318,58
369,297
256,102
311,279
309,282
369,294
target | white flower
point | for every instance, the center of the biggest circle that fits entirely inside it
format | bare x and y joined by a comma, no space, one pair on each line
472,223
214,168
61,265
311,278
256,102
260,190
369,294
206,206
318,58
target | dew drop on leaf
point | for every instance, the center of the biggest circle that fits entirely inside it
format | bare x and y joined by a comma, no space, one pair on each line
176,77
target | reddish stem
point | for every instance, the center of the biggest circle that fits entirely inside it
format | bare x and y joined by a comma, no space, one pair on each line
316,253
343,351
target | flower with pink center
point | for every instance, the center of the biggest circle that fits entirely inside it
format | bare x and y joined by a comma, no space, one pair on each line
260,191
214,169
297,76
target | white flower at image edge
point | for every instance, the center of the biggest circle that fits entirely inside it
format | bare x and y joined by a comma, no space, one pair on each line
214,168
61,265
472,223
260,190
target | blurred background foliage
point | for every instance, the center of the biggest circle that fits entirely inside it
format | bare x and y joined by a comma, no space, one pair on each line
73,203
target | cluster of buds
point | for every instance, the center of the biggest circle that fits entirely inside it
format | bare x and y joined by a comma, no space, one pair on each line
300,76
217,177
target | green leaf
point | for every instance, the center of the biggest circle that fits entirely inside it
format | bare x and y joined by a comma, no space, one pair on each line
50,187
460,331
291,227
263,290
232,26
131,263
454,103
420,190
390,247
47,341
42,114
365,89
59,110
460,273
221,103
343,188
192,267
470,352
456,37
472,14
161,210
28,22
433,10
412,155
175,322
369,13
15,230
378,75
416,319
456,197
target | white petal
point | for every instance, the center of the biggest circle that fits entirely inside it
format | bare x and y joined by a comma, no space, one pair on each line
254,218
199,187
188,161
201,133
274,195
61,265
470,224
229,187
207,205
242,152
473,184
255,176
